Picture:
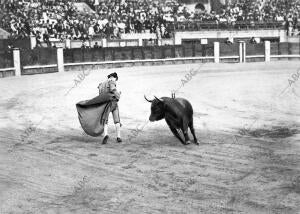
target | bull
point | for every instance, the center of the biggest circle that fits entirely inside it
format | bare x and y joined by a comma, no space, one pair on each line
178,113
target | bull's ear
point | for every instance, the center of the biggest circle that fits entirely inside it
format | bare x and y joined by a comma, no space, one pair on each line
150,101
159,100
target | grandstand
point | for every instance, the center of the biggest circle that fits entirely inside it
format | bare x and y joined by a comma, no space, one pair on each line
121,24
57,20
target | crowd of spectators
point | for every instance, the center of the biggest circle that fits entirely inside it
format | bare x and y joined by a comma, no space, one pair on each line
60,20
284,10
245,10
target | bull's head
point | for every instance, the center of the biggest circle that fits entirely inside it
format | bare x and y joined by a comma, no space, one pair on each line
157,109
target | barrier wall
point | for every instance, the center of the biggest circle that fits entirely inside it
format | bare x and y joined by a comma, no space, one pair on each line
255,49
59,60
9,59
7,72
229,49
32,59
196,49
136,53
130,63
38,56
17,43
285,48
6,59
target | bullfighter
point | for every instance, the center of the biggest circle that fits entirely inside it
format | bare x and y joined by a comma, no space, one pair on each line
109,86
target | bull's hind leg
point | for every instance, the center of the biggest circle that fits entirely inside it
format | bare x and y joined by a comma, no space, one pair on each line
185,130
191,125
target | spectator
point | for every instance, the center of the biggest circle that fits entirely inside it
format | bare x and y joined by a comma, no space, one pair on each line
96,45
38,39
229,41
252,40
46,39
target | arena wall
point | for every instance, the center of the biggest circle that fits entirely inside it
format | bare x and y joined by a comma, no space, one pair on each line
7,72
49,60
16,43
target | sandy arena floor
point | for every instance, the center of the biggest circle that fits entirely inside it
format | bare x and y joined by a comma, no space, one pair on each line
247,119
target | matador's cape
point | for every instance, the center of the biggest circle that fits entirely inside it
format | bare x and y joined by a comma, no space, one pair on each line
92,114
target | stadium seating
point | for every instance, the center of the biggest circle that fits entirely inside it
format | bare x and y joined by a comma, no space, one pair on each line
57,20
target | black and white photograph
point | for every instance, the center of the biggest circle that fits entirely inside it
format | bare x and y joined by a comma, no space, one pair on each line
150,107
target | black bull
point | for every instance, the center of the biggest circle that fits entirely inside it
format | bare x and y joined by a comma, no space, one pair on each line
178,113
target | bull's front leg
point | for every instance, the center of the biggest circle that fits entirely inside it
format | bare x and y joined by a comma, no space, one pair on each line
186,136
175,132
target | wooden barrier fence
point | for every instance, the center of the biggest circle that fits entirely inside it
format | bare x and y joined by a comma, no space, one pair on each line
61,60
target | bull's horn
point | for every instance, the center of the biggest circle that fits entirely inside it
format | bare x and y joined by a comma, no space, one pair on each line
158,99
150,101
